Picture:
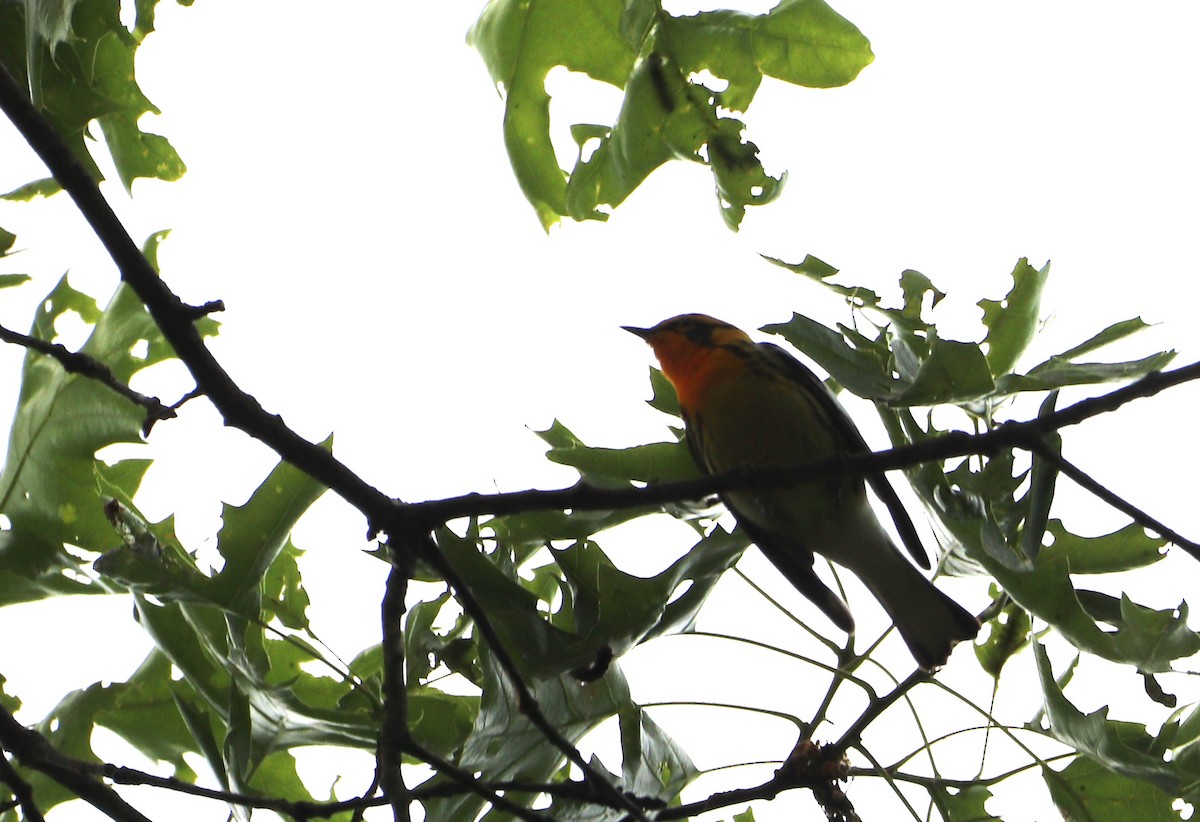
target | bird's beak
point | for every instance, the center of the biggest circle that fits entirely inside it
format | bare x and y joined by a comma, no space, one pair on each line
644,333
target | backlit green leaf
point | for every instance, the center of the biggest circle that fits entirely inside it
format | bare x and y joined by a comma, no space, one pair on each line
1013,321
1085,789
1124,748
668,112
49,487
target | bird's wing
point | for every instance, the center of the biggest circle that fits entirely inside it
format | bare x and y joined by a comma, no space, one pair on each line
789,557
795,562
837,417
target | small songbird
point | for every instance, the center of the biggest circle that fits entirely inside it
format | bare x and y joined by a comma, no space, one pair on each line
753,405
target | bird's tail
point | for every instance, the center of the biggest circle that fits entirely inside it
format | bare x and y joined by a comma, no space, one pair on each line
929,621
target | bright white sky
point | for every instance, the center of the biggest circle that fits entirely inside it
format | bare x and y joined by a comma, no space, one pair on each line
350,201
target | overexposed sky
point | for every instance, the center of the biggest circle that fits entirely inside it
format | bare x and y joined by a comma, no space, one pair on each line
349,199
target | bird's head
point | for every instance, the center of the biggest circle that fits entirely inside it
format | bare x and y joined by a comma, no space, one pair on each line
691,349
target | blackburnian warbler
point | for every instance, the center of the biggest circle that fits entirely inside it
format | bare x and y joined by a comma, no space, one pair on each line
753,405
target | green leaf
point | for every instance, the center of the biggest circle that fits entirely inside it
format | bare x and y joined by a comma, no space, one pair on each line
953,372
254,534
667,112
78,60
858,369
964,805
1123,748
539,647
1008,633
505,746
819,272
653,463
138,153
815,269
441,722
1116,331
11,280
804,42
1122,550
588,624
45,187
520,41
523,534
1043,475
703,564
1144,637
7,239
50,487
740,177
664,398
141,710
652,764
663,117
283,594
978,526
1085,789
915,285
606,468
276,776
1013,321
1058,373
648,605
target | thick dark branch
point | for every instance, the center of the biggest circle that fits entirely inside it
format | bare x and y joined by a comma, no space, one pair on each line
21,790
393,732
1028,435
853,734
76,363
176,319
33,751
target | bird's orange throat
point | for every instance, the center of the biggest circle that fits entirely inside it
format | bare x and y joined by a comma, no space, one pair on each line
691,368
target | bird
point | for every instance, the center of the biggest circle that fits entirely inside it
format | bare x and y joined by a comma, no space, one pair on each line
748,405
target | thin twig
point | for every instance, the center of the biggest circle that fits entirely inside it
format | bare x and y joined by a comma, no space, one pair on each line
74,362
176,319
888,778
482,789
526,702
1139,516
961,784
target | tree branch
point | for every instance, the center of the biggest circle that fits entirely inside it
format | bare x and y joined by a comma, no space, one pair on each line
1139,516
78,363
853,735
393,732
526,702
239,409
22,792
242,411
485,790
36,753
1028,435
